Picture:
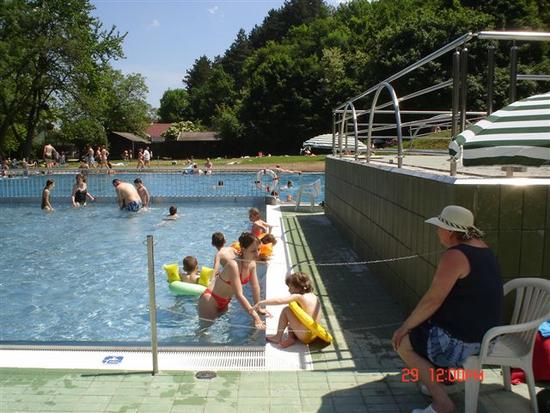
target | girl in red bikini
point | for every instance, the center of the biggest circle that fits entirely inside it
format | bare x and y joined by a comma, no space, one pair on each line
235,273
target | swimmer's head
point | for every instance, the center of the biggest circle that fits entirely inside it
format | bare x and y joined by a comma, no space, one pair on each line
116,182
190,264
138,181
218,240
173,210
50,183
299,282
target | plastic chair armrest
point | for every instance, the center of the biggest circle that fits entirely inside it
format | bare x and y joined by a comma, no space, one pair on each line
494,332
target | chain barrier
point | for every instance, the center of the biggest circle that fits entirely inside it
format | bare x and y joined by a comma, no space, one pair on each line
345,263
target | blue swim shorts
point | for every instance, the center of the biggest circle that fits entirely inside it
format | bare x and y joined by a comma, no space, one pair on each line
133,206
439,347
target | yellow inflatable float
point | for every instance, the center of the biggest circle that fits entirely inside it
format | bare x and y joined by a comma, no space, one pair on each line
179,287
316,330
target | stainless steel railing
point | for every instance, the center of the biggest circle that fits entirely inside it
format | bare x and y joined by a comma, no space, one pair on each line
347,116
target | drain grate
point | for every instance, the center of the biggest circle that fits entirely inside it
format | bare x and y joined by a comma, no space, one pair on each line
208,360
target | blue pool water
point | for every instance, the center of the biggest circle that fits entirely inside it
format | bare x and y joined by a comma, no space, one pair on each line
172,184
80,275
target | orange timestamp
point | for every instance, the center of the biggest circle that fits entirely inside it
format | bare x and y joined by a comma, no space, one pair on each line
440,375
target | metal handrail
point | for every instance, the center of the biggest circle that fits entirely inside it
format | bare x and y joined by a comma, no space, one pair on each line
458,81
397,122
527,36
533,77
455,43
420,92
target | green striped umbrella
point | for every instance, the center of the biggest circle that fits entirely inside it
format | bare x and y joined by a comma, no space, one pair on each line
518,134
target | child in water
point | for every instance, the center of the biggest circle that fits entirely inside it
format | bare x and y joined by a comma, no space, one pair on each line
46,205
218,242
301,291
191,268
172,213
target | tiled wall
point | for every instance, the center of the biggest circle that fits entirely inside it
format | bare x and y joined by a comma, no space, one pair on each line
382,211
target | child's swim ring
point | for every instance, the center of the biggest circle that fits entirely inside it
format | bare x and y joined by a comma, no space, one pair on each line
270,174
317,330
179,287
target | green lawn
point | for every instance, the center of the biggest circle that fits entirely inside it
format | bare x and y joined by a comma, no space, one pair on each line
220,162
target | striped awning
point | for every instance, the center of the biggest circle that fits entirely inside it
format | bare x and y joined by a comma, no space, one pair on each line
325,142
518,134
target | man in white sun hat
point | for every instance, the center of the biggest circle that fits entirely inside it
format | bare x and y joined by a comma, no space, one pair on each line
462,303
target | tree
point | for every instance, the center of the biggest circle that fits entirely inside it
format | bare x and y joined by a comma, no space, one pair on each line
234,58
174,131
278,22
112,102
50,49
199,74
280,106
218,91
174,106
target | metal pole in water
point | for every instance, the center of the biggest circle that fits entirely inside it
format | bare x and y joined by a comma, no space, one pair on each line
152,303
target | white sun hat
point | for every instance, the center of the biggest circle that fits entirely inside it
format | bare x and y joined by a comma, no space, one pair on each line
454,218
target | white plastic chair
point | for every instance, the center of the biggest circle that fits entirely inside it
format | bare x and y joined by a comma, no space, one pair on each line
515,342
313,190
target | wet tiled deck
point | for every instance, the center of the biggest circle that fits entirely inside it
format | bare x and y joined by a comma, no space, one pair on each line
358,373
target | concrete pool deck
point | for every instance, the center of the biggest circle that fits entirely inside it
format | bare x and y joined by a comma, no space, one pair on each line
359,372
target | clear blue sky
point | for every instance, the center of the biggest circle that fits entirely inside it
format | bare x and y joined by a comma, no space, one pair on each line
165,37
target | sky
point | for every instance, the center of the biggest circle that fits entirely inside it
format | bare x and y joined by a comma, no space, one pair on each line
165,37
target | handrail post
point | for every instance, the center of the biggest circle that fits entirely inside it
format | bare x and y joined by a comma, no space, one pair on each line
152,303
456,92
463,86
455,100
333,133
513,71
355,130
490,77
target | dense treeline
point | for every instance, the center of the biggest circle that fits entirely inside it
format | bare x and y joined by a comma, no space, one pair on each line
56,80
272,88
276,86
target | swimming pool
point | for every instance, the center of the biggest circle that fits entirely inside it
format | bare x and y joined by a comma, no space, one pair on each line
167,184
80,275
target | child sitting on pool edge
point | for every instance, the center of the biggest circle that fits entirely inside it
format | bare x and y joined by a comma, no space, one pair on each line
259,226
301,291
191,268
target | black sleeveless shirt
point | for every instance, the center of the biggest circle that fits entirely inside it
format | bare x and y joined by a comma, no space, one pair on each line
474,304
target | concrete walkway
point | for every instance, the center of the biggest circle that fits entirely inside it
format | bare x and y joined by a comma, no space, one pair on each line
359,372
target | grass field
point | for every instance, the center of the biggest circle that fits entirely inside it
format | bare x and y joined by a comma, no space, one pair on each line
301,163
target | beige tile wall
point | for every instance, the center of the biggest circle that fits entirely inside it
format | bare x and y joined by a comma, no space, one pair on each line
382,210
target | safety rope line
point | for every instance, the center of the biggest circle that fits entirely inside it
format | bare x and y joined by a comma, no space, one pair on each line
334,264
344,263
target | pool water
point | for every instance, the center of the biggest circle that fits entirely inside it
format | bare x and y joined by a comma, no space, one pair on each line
80,275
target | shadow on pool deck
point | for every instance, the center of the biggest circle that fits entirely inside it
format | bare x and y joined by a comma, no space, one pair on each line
358,312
